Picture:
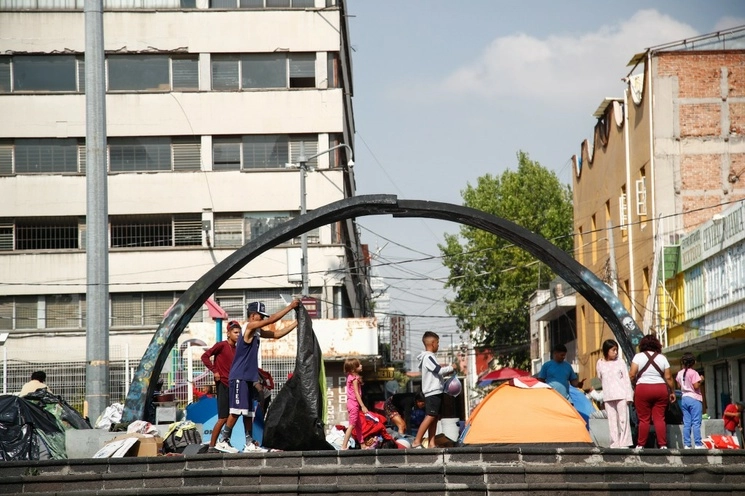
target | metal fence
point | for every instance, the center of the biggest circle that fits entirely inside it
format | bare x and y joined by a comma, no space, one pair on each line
182,375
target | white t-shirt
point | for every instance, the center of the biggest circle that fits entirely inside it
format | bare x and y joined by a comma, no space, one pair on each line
650,376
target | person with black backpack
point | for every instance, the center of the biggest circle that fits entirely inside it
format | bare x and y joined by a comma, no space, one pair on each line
650,372
692,402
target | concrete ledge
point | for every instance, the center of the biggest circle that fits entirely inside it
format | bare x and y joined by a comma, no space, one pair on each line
469,470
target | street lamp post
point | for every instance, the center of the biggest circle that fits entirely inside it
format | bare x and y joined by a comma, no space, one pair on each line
303,166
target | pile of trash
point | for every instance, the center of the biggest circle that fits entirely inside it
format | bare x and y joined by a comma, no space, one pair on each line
32,427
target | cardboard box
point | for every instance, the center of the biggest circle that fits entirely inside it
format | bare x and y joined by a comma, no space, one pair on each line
146,445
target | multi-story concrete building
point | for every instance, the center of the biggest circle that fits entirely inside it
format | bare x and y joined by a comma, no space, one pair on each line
666,158
207,103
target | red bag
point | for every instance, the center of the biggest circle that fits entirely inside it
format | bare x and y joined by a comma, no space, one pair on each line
266,379
720,441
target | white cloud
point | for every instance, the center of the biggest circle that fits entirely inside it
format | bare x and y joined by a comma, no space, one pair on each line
566,67
729,22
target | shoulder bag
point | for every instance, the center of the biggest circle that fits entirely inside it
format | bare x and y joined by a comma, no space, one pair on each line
673,412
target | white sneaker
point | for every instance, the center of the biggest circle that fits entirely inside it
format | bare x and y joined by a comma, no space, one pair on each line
701,446
225,447
253,448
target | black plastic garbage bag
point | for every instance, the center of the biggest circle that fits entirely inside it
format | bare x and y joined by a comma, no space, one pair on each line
294,421
17,442
43,418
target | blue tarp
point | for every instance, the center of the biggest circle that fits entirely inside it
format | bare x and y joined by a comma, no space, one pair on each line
581,403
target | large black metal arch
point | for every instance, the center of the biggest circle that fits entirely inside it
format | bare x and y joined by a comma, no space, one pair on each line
596,292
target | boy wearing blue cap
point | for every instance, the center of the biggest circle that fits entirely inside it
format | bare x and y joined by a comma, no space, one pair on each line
244,380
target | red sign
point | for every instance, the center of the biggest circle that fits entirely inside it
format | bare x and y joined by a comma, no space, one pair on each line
311,306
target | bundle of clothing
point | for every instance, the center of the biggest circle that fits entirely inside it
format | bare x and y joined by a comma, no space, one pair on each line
374,433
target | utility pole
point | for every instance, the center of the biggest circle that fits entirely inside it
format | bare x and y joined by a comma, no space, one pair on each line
97,216
303,166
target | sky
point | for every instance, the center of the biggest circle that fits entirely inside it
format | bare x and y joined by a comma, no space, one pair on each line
447,91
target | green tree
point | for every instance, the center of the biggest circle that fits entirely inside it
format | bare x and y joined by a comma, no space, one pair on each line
493,279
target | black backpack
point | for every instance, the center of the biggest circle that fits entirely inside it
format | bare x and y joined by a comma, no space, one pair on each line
180,435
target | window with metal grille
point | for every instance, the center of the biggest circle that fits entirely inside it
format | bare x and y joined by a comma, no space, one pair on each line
226,72
4,74
155,306
81,157
6,312
263,71
80,59
26,312
62,311
39,156
261,151
59,233
6,235
265,151
226,154
333,70
138,72
233,303
68,155
187,230
187,154
262,4
139,154
310,145
185,73
141,231
83,310
126,309
228,230
6,157
302,70
44,73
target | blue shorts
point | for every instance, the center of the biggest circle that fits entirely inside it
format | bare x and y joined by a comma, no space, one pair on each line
243,394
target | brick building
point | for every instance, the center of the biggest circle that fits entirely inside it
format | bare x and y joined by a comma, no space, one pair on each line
666,161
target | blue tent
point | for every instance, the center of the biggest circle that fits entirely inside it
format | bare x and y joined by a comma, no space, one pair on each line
581,403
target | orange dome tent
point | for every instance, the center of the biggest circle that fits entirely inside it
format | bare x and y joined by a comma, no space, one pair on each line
525,411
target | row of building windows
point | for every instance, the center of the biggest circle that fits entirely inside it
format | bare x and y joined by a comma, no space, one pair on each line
717,282
162,4
231,230
68,311
157,154
164,72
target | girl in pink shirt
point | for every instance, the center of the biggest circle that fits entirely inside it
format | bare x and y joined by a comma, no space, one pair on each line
355,406
617,393
692,402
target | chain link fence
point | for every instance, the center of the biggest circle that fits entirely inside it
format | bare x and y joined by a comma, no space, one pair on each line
181,375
